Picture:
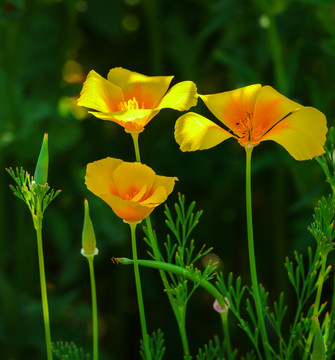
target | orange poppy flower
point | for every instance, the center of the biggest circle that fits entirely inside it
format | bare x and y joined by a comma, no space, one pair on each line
253,114
131,99
132,190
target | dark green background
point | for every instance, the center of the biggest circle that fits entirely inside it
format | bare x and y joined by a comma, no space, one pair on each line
220,45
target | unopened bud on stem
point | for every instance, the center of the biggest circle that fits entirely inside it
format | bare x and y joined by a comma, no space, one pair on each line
41,171
88,236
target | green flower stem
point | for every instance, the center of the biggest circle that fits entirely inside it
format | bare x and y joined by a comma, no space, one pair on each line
137,150
333,297
188,274
178,270
225,328
316,306
253,272
179,311
182,329
94,308
38,228
139,292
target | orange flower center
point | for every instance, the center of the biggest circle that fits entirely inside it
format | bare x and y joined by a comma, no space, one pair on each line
249,126
247,131
131,104
131,193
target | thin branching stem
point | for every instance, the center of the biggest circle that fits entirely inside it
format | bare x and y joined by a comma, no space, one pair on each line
176,310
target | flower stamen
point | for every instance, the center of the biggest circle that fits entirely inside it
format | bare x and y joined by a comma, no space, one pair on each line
131,104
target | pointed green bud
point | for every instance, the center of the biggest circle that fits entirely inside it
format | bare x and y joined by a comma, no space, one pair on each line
41,171
88,236
319,350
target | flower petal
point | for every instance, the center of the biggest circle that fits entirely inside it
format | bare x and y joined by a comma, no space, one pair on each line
147,90
131,120
162,188
128,210
181,96
132,177
133,115
159,196
232,106
271,107
98,177
140,194
195,132
100,94
302,134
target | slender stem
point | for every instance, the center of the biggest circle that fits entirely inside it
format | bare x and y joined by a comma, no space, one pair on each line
180,313
182,330
333,297
139,293
316,306
94,308
225,328
43,290
252,259
137,150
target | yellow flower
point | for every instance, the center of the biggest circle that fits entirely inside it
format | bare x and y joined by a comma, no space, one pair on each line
132,190
131,99
253,114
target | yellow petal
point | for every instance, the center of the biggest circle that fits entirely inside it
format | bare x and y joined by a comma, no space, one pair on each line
98,177
128,210
139,115
158,197
100,94
140,194
231,106
302,134
132,177
195,132
147,90
181,96
271,107
163,187
131,120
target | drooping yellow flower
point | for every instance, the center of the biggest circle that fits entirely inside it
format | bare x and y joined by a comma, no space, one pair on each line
132,190
253,114
131,99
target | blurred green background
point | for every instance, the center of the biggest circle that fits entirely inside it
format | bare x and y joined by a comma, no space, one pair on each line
47,47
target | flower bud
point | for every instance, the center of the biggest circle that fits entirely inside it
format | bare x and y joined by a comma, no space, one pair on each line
41,171
88,236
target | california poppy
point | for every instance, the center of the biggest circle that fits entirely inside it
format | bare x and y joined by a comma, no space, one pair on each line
131,189
131,99
253,114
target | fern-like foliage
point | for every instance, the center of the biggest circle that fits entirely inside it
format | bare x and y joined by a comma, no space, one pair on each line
156,346
36,196
211,351
69,351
